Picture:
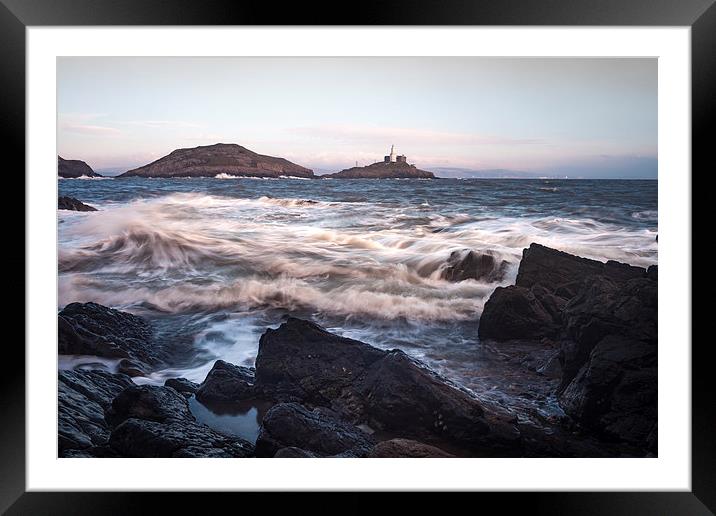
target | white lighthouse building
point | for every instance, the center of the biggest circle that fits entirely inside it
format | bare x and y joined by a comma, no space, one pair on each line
392,158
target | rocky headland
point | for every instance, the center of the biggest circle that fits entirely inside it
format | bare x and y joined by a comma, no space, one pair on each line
74,168
382,170
577,331
72,204
220,158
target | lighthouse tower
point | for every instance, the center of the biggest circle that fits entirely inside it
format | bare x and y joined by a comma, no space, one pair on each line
391,157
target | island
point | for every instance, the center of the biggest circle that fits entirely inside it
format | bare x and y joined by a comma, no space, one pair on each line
74,168
221,159
392,167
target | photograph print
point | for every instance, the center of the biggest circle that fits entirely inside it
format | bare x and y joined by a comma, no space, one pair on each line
361,257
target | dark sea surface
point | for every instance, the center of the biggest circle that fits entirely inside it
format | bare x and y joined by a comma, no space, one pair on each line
214,262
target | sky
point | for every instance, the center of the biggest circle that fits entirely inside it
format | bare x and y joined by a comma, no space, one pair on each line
575,117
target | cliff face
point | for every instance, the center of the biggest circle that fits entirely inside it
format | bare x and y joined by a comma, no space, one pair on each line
71,168
383,170
221,158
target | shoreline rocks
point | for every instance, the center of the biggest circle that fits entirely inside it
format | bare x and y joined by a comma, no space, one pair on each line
386,390
603,317
584,336
93,329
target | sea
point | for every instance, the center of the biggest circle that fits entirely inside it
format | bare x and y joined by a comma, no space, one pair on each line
214,262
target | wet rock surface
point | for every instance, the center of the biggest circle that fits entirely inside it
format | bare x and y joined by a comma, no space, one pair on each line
469,264
93,329
290,425
603,317
182,385
226,383
406,448
153,421
387,390
83,397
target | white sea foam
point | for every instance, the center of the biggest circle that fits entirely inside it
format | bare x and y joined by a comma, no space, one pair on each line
190,251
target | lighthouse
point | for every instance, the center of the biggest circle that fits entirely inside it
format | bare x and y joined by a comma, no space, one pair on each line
391,158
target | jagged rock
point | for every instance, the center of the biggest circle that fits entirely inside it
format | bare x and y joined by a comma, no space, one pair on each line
301,361
174,438
149,402
83,397
293,425
292,452
615,391
93,329
182,385
220,158
517,313
226,383
468,264
153,421
604,316
398,448
609,358
70,203
555,269
73,168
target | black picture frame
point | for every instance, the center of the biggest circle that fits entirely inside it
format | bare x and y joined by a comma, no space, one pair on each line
17,15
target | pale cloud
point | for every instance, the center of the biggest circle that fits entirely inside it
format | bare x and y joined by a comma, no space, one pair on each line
163,124
381,135
86,123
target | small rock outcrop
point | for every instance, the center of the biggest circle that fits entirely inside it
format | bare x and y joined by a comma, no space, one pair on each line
468,264
226,383
220,158
72,204
74,168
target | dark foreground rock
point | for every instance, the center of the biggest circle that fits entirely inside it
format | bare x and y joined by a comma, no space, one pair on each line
520,313
609,359
468,264
93,329
70,203
290,425
604,318
182,385
83,397
406,448
226,383
153,421
74,168
386,390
